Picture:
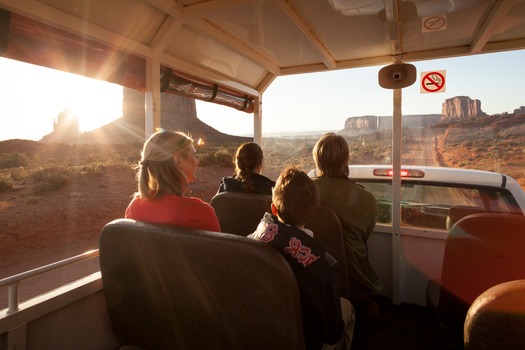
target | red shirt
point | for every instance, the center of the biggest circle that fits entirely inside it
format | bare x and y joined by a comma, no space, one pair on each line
175,210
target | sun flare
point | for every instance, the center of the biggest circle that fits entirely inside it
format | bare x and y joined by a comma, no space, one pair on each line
96,103
34,97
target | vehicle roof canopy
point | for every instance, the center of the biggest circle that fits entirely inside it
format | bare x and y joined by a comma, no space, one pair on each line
239,46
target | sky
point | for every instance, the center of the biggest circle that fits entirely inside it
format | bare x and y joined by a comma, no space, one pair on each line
315,101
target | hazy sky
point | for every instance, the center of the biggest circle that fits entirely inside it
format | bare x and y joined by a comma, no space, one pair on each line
318,101
323,101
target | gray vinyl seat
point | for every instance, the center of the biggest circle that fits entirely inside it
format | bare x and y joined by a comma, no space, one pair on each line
180,288
240,213
496,319
481,251
457,213
327,229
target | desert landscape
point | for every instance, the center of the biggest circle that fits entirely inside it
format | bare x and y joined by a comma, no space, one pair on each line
59,201
56,197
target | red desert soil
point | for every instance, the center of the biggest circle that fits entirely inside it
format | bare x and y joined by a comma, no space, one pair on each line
67,222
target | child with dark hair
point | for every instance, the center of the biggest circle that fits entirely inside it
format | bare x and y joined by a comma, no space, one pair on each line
294,201
248,168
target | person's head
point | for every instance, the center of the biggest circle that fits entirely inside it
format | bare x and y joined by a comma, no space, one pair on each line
295,197
167,165
331,155
248,160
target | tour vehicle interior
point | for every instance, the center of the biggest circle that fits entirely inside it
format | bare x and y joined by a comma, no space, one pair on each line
229,52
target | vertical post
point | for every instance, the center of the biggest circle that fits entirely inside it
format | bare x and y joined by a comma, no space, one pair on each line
257,120
12,298
397,136
152,96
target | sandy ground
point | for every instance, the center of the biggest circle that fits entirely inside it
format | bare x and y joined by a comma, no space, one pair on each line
68,222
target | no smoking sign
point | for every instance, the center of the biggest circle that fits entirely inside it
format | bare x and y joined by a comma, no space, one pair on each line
433,81
433,23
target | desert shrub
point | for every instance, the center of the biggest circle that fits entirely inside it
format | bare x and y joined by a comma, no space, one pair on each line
49,179
6,182
221,157
13,160
95,169
18,174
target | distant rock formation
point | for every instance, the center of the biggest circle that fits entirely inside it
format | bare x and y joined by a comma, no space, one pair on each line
65,126
369,123
364,123
177,113
453,109
461,107
520,110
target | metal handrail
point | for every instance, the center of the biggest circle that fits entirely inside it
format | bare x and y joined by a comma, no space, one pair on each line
13,281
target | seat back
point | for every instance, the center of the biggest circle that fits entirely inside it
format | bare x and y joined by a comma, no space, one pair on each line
180,288
328,231
240,213
496,319
481,250
459,212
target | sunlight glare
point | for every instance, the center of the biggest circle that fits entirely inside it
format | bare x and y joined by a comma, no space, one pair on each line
34,97
96,103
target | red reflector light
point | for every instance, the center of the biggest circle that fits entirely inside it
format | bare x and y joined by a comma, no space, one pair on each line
404,173
383,172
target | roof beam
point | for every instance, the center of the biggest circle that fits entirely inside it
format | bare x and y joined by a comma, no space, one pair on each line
191,16
48,15
393,22
205,9
299,21
235,44
267,80
496,15
166,32
170,7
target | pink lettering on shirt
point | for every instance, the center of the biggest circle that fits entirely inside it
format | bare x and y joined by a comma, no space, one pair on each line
269,233
299,252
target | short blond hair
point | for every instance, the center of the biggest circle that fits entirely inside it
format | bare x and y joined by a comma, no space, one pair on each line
158,173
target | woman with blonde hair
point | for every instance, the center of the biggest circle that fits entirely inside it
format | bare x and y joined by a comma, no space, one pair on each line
167,166
248,168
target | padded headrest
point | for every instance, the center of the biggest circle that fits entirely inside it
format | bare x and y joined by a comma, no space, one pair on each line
481,250
459,212
496,319
180,288
327,229
240,213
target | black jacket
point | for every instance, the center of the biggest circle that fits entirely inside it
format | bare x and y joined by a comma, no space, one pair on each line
254,183
317,274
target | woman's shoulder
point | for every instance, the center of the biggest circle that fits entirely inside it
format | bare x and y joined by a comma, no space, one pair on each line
346,184
182,200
